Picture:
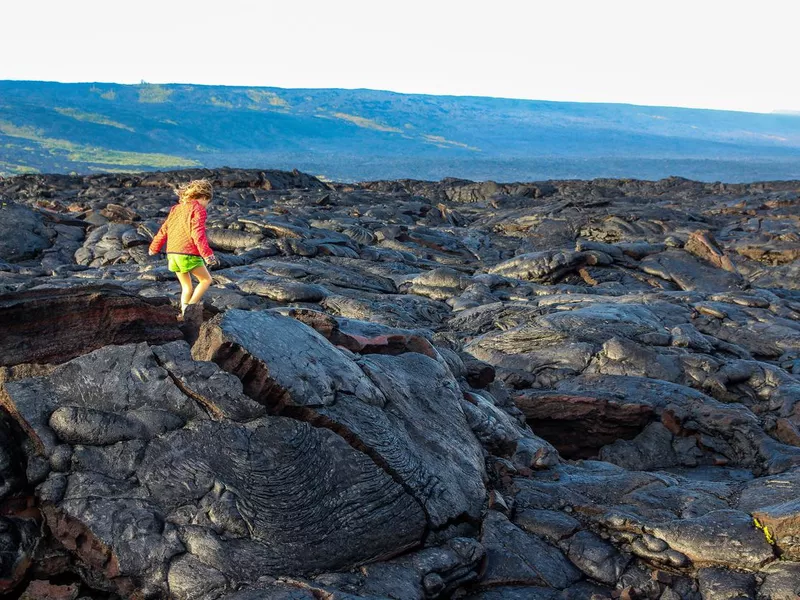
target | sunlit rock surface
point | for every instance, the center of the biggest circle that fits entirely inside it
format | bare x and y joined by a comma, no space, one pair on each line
407,390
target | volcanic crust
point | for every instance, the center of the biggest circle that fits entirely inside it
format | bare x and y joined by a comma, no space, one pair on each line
401,390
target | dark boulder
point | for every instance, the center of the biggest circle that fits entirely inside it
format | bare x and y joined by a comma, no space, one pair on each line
383,405
23,232
141,495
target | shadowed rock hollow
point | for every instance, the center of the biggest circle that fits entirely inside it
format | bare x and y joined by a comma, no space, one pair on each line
407,390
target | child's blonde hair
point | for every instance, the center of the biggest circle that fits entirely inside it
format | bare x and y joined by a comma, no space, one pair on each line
199,188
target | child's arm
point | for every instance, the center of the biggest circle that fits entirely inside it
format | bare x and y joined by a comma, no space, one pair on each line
198,232
159,239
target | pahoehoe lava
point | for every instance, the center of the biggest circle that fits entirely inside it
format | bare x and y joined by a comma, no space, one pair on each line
402,389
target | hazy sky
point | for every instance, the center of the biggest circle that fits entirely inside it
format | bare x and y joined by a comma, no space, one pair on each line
700,53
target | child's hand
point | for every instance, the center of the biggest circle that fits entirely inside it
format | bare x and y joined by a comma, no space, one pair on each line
212,261
151,253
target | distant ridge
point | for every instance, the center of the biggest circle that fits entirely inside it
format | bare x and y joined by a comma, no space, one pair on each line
349,135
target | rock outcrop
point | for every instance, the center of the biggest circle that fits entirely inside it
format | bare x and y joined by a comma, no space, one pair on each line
408,390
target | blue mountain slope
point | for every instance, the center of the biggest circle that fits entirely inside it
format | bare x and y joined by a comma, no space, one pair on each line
366,134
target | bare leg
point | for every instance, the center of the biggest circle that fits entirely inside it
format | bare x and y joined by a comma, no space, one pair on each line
203,281
185,279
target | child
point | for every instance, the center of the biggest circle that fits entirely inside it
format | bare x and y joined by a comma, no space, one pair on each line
184,232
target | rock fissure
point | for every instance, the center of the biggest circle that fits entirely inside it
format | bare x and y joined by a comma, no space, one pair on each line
208,406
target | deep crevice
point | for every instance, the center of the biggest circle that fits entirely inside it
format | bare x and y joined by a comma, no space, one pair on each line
576,439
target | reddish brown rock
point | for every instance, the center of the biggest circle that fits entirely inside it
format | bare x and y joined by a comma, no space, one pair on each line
787,432
354,335
119,214
56,325
24,370
703,245
770,252
781,523
44,590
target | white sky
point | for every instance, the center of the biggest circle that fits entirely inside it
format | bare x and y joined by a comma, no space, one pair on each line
700,53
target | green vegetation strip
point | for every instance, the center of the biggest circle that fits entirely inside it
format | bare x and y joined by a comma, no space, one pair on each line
9,169
366,123
91,118
92,154
271,98
153,94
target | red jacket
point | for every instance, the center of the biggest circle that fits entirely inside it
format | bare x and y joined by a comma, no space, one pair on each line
184,231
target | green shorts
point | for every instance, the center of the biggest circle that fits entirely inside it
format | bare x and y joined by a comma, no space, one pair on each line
183,263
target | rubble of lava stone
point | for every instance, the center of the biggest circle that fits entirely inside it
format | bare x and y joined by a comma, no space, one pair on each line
402,390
